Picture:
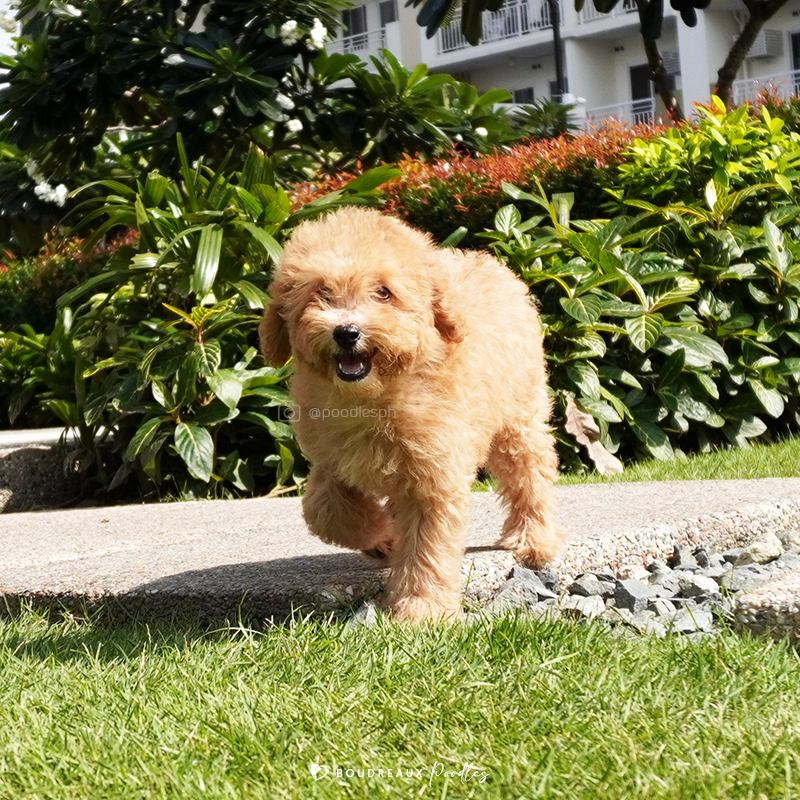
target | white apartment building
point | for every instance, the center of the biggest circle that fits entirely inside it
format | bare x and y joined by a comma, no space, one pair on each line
604,59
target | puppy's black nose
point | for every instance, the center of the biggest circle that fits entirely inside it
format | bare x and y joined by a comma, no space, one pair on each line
346,336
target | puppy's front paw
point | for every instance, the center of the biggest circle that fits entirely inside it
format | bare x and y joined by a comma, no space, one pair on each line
417,608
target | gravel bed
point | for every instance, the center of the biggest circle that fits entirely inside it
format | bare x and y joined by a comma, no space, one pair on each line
697,590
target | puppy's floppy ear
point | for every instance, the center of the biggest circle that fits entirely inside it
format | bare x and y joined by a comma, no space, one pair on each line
274,336
446,322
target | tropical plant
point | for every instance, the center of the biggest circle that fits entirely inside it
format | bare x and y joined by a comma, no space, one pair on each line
545,119
209,71
155,360
383,114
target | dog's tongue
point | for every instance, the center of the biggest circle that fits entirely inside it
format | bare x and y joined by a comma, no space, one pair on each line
351,362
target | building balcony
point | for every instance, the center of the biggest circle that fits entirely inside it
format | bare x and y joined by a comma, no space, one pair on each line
363,45
633,112
590,14
784,85
517,18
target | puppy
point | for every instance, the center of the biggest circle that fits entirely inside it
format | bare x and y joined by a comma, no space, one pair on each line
413,367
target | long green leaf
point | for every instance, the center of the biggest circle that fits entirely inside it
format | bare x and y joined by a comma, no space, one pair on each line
654,438
270,245
209,355
699,350
144,436
189,177
206,262
372,179
781,255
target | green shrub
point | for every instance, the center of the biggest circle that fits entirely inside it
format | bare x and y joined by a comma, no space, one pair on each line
466,191
545,119
30,286
735,149
154,362
672,328
668,351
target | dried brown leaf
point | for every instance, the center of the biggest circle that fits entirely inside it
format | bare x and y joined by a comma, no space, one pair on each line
584,428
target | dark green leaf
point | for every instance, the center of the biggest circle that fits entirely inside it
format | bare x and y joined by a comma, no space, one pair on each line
196,447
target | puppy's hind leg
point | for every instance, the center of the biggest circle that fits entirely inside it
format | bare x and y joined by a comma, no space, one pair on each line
341,515
524,461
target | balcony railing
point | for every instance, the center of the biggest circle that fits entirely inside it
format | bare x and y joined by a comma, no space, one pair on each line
516,18
635,112
783,85
589,13
362,44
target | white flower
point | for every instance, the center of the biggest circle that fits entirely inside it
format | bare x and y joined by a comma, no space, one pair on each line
318,35
44,191
218,111
290,32
32,168
294,125
60,193
284,101
481,132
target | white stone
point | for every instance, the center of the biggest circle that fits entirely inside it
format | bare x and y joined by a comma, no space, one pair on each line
767,547
790,539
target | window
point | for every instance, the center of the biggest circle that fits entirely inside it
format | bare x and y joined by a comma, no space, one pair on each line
355,25
523,96
642,95
388,9
795,42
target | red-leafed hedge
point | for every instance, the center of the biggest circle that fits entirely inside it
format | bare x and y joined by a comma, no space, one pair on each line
441,195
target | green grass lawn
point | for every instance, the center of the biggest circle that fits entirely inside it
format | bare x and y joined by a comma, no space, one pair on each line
779,460
541,709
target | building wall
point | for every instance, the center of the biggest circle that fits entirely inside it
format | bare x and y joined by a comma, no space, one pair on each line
521,73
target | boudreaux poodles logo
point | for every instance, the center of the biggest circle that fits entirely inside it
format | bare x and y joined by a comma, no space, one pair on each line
318,771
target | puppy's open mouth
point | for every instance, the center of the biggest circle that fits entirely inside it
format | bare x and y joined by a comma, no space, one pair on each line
353,366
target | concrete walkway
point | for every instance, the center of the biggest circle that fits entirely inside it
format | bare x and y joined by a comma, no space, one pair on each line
255,558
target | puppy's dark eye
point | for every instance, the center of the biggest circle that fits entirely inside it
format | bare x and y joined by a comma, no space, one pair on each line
324,294
384,295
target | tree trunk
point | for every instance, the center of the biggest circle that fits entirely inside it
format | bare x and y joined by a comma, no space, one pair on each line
661,81
759,12
658,75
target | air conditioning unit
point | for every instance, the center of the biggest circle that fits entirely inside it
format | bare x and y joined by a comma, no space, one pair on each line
768,44
672,62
